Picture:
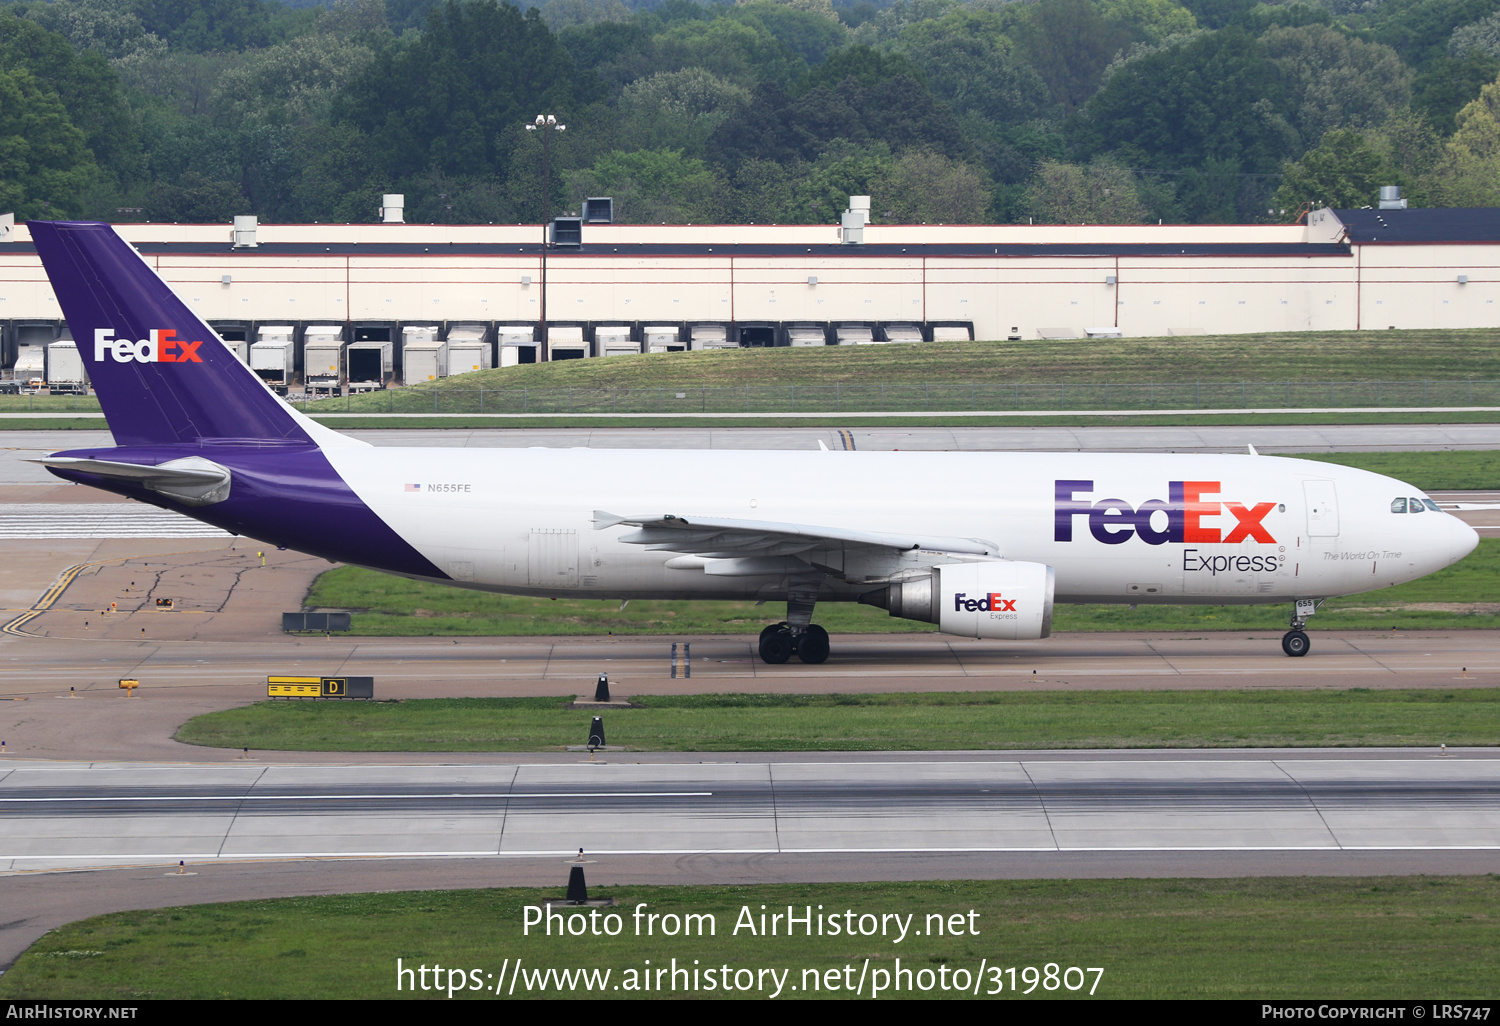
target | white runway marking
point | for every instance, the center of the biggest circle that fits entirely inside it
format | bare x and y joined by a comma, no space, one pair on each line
99,520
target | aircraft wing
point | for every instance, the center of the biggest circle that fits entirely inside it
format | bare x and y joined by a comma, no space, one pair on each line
743,547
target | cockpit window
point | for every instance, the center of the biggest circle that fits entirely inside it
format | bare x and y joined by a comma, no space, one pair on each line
1416,506
1398,505
1431,505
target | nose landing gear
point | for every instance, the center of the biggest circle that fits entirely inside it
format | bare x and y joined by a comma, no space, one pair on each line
1295,642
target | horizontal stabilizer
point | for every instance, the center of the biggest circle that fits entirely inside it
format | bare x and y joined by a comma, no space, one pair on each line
191,480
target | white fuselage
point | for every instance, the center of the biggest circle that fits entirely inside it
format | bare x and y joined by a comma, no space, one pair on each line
1222,529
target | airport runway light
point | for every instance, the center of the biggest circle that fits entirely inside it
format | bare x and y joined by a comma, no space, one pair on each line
542,123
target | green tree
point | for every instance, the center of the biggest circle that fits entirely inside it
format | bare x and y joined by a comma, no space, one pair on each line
1446,84
677,109
456,99
865,65
292,81
1342,171
653,187
1150,21
1336,81
194,199
1468,174
561,14
340,178
106,26
734,50
88,89
1215,98
919,187
45,165
1411,149
1069,43
1099,192
1482,36
970,63
818,8
808,32
1419,30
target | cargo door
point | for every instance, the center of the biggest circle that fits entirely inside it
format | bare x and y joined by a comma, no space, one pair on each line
1322,509
553,559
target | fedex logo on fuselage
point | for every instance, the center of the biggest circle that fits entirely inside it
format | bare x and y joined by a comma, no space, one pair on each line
162,347
1184,510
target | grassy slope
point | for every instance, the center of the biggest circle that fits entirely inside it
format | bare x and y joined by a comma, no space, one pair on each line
892,722
1289,356
1282,937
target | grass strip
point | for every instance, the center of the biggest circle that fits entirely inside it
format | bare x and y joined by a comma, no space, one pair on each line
1461,596
1466,470
942,721
354,422
1269,938
1297,356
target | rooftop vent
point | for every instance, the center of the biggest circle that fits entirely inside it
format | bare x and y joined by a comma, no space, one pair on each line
567,231
393,208
245,226
1390,198
599,210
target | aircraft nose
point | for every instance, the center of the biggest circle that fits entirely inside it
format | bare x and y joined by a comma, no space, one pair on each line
1464,539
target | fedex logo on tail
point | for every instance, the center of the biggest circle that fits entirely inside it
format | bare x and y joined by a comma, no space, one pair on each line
1182,516
162,347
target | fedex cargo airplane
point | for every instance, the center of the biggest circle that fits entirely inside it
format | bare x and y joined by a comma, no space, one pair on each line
980,544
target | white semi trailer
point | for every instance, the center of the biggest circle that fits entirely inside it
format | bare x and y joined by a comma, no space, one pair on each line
274,356
31,368
369,365
424,357
65,373
323,359
468,349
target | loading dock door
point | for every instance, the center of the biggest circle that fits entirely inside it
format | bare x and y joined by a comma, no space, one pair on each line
1322,509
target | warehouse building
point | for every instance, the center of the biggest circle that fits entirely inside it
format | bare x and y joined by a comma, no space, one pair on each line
407,302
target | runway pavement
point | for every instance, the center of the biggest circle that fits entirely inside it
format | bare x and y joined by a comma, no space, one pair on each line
777,818
1268,438
92,815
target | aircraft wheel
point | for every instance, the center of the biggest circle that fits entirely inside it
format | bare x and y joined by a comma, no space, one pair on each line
1295,643
812,647
776,644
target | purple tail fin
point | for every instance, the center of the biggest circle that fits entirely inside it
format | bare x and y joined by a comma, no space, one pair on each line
161,374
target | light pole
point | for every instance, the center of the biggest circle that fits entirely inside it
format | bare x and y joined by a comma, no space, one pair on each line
542,123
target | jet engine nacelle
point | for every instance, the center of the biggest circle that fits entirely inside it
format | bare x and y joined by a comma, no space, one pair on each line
1005,601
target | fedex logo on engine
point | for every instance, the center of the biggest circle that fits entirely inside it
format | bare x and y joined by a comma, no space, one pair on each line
991,603
1177,518
162,347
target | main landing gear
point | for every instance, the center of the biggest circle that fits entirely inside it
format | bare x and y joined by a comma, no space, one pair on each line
797,633
1295,642
780,640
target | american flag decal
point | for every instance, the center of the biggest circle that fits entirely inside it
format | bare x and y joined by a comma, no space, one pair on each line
414,488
